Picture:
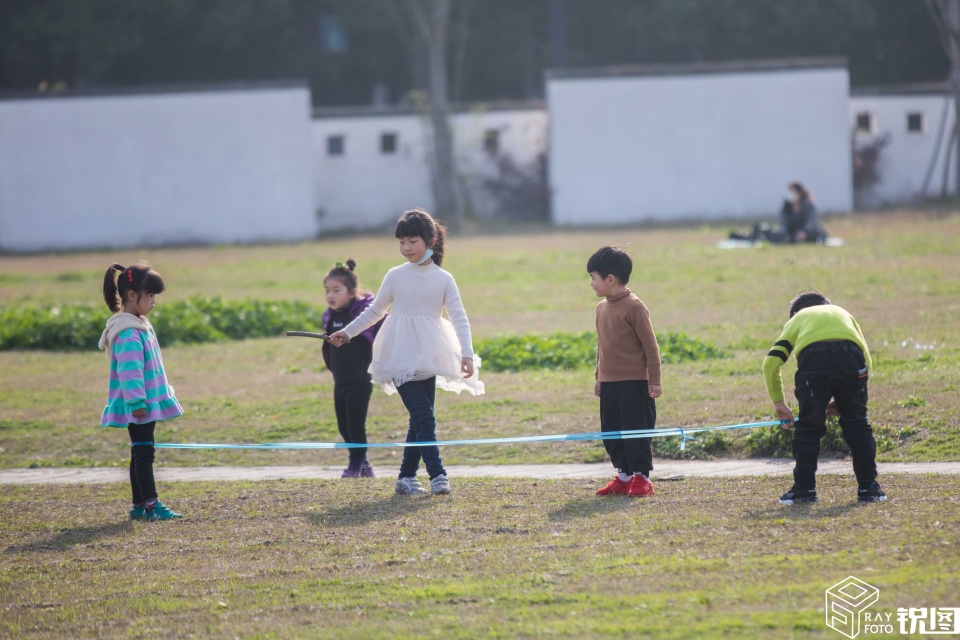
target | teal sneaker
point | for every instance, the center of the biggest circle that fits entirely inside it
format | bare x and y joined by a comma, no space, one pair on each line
160,511
136,513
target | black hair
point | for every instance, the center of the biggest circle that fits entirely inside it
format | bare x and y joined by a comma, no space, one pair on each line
806,299
611,260
345,273
801,190
120,280
417,222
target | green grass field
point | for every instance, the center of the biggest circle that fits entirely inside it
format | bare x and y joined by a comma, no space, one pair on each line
704,558
899,274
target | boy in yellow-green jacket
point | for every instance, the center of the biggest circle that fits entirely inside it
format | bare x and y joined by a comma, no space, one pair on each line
833,365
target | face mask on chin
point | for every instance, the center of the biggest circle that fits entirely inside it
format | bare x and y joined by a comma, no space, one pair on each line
426,256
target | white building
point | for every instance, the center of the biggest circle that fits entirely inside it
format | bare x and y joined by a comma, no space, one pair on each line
372,163
244,164
218,164
911,128
630,144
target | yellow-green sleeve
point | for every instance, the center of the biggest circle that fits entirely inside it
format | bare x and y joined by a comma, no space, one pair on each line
863,344
777,355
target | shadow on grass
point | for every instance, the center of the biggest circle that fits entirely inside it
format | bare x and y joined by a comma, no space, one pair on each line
590,507
801,512
70,537
377,510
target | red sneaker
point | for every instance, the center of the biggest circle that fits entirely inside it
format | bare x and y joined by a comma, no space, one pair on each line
640,487
615,487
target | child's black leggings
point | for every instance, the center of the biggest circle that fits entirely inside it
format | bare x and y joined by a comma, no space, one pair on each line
350,401
142,484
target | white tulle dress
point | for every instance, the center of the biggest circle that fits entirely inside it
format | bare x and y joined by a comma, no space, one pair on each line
416,342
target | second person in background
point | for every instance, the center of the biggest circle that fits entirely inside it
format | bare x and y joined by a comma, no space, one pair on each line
351,380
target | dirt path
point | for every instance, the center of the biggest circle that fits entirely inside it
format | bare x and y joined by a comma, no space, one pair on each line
665,469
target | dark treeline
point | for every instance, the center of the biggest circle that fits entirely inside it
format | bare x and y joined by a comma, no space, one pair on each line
353,50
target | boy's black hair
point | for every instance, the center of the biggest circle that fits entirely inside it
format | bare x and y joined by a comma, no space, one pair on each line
345,274
417,222
611,260
806,299
120,280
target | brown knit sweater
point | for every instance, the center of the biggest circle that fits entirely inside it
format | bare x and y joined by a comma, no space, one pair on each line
626,345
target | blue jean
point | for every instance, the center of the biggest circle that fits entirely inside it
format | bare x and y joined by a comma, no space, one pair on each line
418,397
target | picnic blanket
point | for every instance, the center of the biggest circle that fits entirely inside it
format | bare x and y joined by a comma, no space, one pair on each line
749,244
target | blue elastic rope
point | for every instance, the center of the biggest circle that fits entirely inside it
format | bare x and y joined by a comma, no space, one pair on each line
568,437
137,444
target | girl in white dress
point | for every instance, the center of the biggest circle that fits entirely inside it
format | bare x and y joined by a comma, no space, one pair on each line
417,349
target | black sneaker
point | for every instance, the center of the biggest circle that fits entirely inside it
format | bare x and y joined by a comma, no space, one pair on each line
871,493
796,496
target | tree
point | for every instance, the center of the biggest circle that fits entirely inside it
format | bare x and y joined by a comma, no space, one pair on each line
428,24
946,15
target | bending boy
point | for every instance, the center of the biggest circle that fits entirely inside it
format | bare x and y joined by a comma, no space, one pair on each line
833,361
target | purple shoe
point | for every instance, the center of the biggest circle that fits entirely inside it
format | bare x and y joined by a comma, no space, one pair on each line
366,471
350,472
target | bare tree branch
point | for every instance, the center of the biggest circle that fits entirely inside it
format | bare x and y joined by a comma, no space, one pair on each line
456,79
946,16
935,9
426,23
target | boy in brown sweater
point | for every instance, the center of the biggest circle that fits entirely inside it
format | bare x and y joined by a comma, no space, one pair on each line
628,371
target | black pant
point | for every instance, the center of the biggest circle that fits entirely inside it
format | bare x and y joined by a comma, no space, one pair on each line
836,370
350,401
142,484
625,406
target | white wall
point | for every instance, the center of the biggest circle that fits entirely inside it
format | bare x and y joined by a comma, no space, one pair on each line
628,148
908,156
365,189
229,165
522,136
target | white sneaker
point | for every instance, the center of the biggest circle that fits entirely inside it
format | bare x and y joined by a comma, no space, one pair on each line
409,487
440,485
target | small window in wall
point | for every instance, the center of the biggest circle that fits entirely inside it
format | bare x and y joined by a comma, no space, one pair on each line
491,141
335,145
915,122
388,143
865,122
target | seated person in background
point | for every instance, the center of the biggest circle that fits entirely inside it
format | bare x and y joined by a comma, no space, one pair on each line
799,221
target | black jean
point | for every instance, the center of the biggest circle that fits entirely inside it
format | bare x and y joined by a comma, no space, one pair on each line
418,397
837,370
626,406
350,401
142,484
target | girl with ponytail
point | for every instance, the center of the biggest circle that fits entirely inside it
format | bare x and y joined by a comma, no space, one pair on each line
418,349
138,394
351,379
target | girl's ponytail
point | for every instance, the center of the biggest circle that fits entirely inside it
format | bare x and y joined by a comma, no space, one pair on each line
344,272
110,294
119,280
438,245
